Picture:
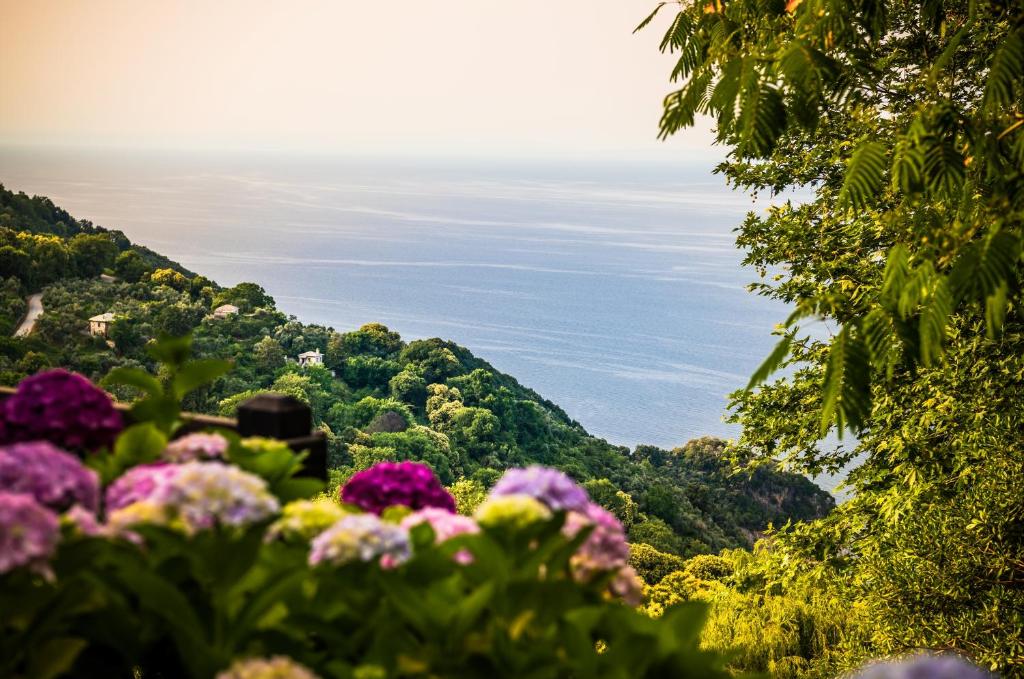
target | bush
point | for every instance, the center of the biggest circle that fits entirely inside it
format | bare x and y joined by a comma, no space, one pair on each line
218,558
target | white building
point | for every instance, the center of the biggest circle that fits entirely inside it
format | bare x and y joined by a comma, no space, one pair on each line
98,325
311,358
225,310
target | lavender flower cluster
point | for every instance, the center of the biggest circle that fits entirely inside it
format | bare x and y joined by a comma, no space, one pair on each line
37,482
925,666
63,408
192,496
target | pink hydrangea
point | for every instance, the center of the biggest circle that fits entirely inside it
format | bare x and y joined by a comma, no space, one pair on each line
50,475
61,407
138,483
199,446
29,533
446,526
386,484
605,549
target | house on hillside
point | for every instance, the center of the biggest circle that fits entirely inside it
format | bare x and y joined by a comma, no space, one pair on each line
225,310
98,325
311,358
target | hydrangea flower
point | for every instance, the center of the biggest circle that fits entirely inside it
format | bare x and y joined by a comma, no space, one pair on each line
554,488
197,446
138,483
360,537
446,526
83,521
385,484
926,666
305,519
513,511
195,496
63,408
28,532
628,586
605,549
54,478
277,667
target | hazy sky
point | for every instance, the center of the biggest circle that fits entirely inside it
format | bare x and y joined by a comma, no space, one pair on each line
448,76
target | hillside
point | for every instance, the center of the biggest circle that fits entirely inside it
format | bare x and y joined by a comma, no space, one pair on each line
379,396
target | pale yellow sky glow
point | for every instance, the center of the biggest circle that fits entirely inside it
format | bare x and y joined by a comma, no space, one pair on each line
441,76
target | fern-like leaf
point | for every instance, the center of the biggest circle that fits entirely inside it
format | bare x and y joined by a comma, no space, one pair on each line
864,175
772,363
934,321
650,17
1005,73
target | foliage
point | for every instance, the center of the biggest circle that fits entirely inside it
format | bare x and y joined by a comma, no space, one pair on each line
905,118
899,125
375,407
193,568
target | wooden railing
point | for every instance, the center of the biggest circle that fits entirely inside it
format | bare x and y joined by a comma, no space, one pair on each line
276,416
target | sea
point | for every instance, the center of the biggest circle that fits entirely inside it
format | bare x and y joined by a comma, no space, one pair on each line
613,288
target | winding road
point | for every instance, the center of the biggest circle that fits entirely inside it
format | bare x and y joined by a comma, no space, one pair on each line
35,309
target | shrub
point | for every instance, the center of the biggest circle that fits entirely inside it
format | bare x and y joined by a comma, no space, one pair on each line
215,563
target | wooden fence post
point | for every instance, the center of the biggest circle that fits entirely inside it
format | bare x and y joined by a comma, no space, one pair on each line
287,419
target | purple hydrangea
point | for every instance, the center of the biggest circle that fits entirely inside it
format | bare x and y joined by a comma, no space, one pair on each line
386,484
605,549
551,487
196,447
138,483
28,532
54,478
63,408
926,666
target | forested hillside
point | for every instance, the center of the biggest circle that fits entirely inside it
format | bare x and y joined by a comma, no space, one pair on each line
378,397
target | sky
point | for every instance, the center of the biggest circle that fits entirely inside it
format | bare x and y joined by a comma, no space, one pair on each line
444,76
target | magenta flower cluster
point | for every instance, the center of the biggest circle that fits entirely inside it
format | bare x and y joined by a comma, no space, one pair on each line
53,477
28,532
386,484
549,486
63,408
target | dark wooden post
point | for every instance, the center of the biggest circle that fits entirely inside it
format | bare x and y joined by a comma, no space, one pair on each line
287,419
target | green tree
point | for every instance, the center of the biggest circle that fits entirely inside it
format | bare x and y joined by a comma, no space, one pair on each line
901,122
91,254
268,354
246,296
130,266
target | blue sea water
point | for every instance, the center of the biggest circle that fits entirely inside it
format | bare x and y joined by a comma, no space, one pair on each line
613,289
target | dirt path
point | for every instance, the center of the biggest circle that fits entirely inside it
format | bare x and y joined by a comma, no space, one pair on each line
35,309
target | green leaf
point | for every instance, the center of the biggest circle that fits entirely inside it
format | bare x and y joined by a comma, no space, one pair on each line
134,377
934,320
772,363
140,443
1004,76
195,374
650,17
846,389
865,174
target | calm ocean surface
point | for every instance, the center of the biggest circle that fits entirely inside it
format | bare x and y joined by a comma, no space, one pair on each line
613,290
